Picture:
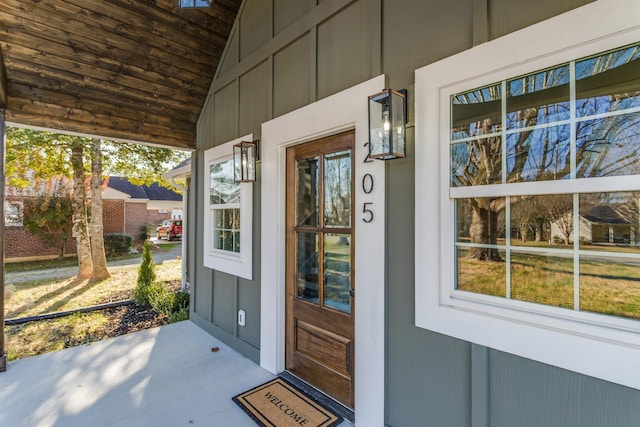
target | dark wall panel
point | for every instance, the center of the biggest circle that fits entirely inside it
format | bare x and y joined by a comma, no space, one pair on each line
530,394
417,33
345,49
224,301
287,11
249,290
428,375
255,25
506,16
291,76
232,54
254,98
225,114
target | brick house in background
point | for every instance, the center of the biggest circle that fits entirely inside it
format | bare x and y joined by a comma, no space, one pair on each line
127,209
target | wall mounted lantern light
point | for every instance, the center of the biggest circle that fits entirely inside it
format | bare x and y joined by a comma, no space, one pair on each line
245,155
387,120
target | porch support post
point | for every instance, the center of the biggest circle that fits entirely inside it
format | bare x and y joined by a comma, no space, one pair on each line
3,353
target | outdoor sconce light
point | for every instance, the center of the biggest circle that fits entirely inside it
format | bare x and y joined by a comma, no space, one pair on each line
387,120
245,155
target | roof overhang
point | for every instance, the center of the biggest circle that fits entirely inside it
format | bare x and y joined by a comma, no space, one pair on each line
134,71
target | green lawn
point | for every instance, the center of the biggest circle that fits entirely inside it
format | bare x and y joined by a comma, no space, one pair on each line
607,287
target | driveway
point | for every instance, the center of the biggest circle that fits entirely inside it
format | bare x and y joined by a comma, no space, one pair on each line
66,272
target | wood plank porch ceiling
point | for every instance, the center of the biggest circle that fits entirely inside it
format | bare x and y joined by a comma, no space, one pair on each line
136,70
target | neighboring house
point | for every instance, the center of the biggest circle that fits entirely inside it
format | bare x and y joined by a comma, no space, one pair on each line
133,208
603,225
127,209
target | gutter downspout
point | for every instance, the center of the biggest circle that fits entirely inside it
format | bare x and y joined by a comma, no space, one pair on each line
185,196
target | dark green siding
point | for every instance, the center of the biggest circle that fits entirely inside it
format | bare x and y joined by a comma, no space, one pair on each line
285,54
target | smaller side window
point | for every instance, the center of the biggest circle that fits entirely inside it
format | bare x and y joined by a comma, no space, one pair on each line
228,216
224,202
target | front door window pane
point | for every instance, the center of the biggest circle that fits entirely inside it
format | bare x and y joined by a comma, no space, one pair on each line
307,191
337,272
337,189
307,267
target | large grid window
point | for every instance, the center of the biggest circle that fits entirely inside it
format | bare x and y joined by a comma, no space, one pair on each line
575,245
228,214
528,191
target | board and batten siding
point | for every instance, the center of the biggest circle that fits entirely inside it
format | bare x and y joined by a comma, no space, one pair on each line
285,54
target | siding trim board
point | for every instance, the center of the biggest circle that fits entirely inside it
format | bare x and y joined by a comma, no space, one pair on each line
541,336
342,111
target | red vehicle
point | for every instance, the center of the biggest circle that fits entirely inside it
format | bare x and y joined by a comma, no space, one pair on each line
170,229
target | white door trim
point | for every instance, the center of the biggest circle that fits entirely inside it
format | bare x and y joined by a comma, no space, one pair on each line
340,112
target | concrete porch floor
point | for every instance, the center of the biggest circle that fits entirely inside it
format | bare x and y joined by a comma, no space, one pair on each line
166,376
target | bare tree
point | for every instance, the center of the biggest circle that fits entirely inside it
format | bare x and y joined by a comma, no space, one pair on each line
80,227
95,225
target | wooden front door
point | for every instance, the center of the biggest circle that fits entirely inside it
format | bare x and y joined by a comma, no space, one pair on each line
320,248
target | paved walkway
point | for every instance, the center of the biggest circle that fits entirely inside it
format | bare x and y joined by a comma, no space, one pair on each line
66,272
165,376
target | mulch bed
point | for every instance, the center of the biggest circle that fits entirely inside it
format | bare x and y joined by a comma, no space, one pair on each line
129,318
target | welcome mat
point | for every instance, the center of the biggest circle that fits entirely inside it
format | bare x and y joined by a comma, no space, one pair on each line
278,403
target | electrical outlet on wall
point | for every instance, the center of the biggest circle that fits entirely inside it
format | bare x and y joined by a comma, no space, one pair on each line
241,317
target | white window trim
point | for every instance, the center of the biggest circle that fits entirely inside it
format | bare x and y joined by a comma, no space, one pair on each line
596,350
337,113
239,264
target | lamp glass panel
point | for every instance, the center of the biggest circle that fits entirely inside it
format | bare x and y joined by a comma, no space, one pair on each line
397,131
379,124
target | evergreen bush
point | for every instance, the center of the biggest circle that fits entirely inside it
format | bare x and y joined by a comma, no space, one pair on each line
146,278
117,244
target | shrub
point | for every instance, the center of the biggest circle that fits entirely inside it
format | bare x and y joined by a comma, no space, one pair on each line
117,244
179,316
168,303
146,278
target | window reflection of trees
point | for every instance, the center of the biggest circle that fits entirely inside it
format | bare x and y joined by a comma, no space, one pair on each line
537,134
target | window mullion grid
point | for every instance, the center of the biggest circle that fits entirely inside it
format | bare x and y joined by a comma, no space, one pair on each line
572,118
576,196
503,118
576,251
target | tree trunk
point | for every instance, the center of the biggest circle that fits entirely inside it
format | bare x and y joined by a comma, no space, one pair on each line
96,229
484,230
80,229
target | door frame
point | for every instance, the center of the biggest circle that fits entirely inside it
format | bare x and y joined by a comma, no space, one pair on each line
337,113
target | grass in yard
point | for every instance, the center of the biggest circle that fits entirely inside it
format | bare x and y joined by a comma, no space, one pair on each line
40,297
33,338
605,286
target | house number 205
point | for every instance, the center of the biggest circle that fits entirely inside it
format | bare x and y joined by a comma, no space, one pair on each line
367,188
